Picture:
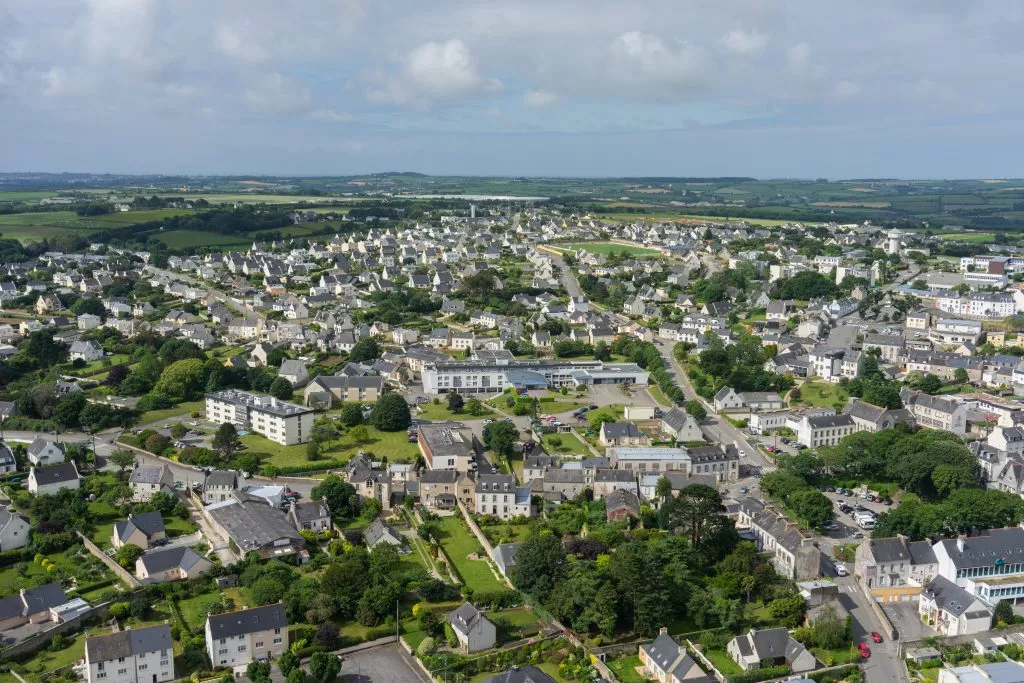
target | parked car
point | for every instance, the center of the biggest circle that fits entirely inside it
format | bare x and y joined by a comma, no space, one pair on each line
841,570
488,421
197,468
865,651
876,636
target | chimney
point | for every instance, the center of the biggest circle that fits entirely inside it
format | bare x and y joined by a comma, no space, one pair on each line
663,631
960,543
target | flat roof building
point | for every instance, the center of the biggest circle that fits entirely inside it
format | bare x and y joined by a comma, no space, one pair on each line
281,422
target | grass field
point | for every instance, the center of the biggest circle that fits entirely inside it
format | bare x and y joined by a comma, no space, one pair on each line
822,394
723,662
179,239
971,237
624,669
438,412
24,195
459,543
568,444
180,409
607,248
395,445
669,216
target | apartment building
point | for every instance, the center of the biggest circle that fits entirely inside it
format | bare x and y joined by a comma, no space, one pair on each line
989,566
792,553
492,375
825,430
281,422
936,412
237,638
895,570
445,447
891,346
978,304
951,331
138,655
326,390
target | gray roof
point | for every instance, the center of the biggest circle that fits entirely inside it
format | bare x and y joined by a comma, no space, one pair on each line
378,530
439,476
505,555
523,674
775,642
890,550
162,560
222,478
134,641
148,474
921,552
245,621
667,654
619,430
6,456
995,546
252,524
39,444
948,596
310,510
55,474
464,617
43,597
826,421
620,498
149,523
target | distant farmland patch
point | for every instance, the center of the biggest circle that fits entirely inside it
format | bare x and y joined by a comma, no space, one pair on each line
866,205
972,237
606,248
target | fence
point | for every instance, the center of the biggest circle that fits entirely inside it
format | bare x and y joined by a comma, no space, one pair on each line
119,571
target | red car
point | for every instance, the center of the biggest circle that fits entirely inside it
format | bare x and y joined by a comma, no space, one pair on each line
865,651
876,636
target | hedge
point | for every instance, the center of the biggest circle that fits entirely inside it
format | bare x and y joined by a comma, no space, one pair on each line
835,674
755,675
314,466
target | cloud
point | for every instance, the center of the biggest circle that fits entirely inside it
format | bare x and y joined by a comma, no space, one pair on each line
744,42
433,71
278,94
643,59
239,47
330,116
847,90
539,98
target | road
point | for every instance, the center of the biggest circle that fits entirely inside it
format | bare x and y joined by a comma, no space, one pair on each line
884,664
569,281
216,294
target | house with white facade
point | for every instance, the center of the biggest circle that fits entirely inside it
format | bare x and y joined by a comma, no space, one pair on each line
137,655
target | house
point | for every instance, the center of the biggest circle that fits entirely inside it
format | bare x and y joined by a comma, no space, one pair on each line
313,515
219,485
761,400
294,371
149,479
727,399
137,655
895,570
88,321
474,631
7,462
989,565
504,556
48,303
520,674
14,530
621,505
86,351
171,564
44,452
791,553
824,430
237,638
325,390
441,489
666,661
498,495
872,418
142,530
936,412
770,647
681,426
951,610
380,532
50,480
622,434
30,606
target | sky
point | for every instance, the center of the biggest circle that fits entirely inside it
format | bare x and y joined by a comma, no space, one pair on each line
773,88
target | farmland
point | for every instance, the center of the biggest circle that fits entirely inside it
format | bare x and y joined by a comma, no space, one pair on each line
607,248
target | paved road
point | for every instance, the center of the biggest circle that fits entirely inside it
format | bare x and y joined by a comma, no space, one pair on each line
572,286
215,293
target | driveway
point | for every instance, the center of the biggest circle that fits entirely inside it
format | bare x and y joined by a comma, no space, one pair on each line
388,664
904,617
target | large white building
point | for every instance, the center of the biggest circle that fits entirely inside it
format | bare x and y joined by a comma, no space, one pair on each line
283,423
825,430
978,305
498,495
493,375
138,655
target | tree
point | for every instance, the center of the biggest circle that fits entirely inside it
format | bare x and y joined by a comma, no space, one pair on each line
960,376
312,451
360,434
538,566
501,438
116,375
474,406
226,439
88,306
120,610
266,590
288,661
338,494
281,389
157,443
183,379
930,384
258,671
43,350
663,489
829,631
178,430
695,510
455,402
1004,612
695,409
365,349
122,460
127,554
391,414
812,507
351,414
324,666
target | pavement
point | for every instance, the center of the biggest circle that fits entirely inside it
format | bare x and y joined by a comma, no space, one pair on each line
389,663
884,664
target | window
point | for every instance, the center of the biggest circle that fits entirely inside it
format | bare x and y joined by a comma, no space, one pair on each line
241,648
259,644
99,667
223,651
143,667
277,641
122,672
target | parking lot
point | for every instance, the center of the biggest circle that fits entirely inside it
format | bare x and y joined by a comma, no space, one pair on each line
904,617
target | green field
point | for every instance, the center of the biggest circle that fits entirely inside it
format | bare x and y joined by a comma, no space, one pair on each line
459,543
624,669
394,445
439,412
822,394
607,248
971,237
569,444
24,196
34,226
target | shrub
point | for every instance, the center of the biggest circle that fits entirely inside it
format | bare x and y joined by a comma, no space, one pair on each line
427,647
756,675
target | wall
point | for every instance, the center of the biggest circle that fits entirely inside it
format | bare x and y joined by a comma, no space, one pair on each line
39,640
485,543
113,566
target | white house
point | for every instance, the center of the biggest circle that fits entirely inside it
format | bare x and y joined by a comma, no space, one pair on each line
138,655
50,480
239,637
498,495
474,631
44,452
14,530
951,610
86,351
727,399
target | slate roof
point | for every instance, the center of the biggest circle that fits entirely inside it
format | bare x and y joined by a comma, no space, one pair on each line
672,659
134,641
162,560
149,523
464,617
1005,545
521,674
378,530
890,550
55,474
948,596
245,621
147,474
39,445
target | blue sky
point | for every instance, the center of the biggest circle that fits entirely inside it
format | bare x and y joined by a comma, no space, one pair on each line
500,87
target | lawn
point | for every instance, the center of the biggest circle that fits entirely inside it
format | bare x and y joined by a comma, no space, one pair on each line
99,365
395,445
822,394
723,662
45,662
193,610
522,622
459,543
166,413
180,239
75,561
972,237
607,248
842,655
658,395
439,412
624,669
568,444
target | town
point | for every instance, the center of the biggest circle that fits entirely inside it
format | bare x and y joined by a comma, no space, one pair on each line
509,441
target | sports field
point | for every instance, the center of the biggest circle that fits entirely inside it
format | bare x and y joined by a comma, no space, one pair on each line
607,248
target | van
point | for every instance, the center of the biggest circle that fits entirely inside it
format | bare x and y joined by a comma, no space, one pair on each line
865,520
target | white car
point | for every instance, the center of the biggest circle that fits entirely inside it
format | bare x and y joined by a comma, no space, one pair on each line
841,570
